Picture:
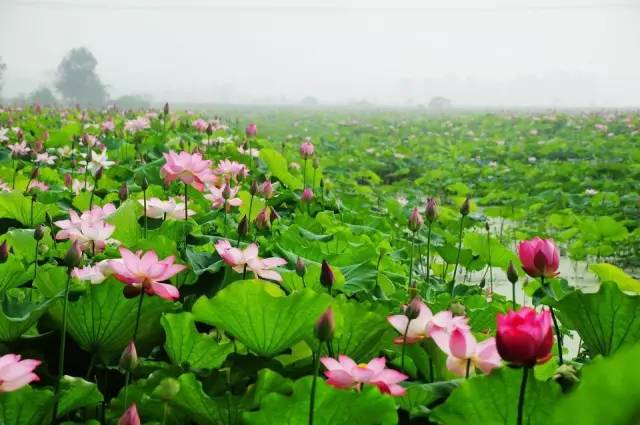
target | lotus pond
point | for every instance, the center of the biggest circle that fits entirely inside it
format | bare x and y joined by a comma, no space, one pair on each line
319,267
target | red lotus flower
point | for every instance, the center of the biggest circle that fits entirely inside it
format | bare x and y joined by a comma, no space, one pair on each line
539,257
525,338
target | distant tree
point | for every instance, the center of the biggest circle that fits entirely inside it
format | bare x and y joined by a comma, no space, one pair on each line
309,101
3,67
439,103
43,96
132,102
77,80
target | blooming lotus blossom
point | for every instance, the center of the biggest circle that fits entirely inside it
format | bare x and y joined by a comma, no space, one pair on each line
65,151
93,236
4,187
591,192
253,152
157,208
524,338
98,161
96,215
130,416
443,324
231,170
464,351
3,134
19,149
248,260
200,125
95,274
191,169
45,158
418,327
78,186
539,257
16,373
147,272
37,184
306,149
134,126
108,126
345,373
216,196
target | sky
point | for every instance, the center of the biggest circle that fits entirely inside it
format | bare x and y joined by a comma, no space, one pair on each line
550,53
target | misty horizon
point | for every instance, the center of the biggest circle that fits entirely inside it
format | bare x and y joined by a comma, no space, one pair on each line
553,53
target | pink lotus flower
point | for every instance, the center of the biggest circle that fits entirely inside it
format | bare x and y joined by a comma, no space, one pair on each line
19,149
45,158
418,327
443,324
200,125
251,130
191,169
37,184
130,416
16,373
539,257
147,272
169,209
247,259
96,215
524,338
345,373
108,126
134,126
306,149
266,189
231,170
307,195
216,196
464,351
93,236
98,161
95,274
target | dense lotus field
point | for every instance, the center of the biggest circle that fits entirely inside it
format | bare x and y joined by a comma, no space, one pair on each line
318,267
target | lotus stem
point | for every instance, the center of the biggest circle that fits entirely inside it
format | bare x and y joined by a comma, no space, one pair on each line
312,396
523,387
455,269
63,341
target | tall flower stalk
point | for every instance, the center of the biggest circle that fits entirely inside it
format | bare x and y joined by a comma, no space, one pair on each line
431,212
464,211
324,329
415,223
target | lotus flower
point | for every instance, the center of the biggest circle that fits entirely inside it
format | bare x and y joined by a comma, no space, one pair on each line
200,125
345,373
525,338
418,327
216,196
539,257
231,170
147,272
157,208
108,126
93,236
96,215
95,274
306,149
37,184
98,161
191,169
464,351
248,259
134,126
16,373
19,149
251,130
130,416
45,158
443,324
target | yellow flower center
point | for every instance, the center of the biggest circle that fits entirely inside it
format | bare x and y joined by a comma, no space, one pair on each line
362,365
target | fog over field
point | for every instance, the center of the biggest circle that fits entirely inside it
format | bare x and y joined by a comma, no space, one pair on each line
397,52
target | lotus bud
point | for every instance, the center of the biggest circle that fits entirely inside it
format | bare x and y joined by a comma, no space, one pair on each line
464,208
307,195
512,273
301,269
483,283
86,140
325,326
253,189
274,215
263,220
38,234
327,278
4,252
129,357
73,257
266,189
243,227
35,173
316,162
98,174
415,220
68,181
130,416
251,130
226,192
413,309
123,192
166,109
209,130
167,389
38,146
458,309
431,211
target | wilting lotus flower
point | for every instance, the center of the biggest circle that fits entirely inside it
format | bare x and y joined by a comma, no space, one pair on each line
147,272
16,373
93,236
200,125
417,330
306,149
19,149
130,416
345,373
463,349
539,257
157,208
216,196
248,259
525,338
134,126
191,169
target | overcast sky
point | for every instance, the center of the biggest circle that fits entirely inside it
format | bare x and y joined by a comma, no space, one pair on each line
475,52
